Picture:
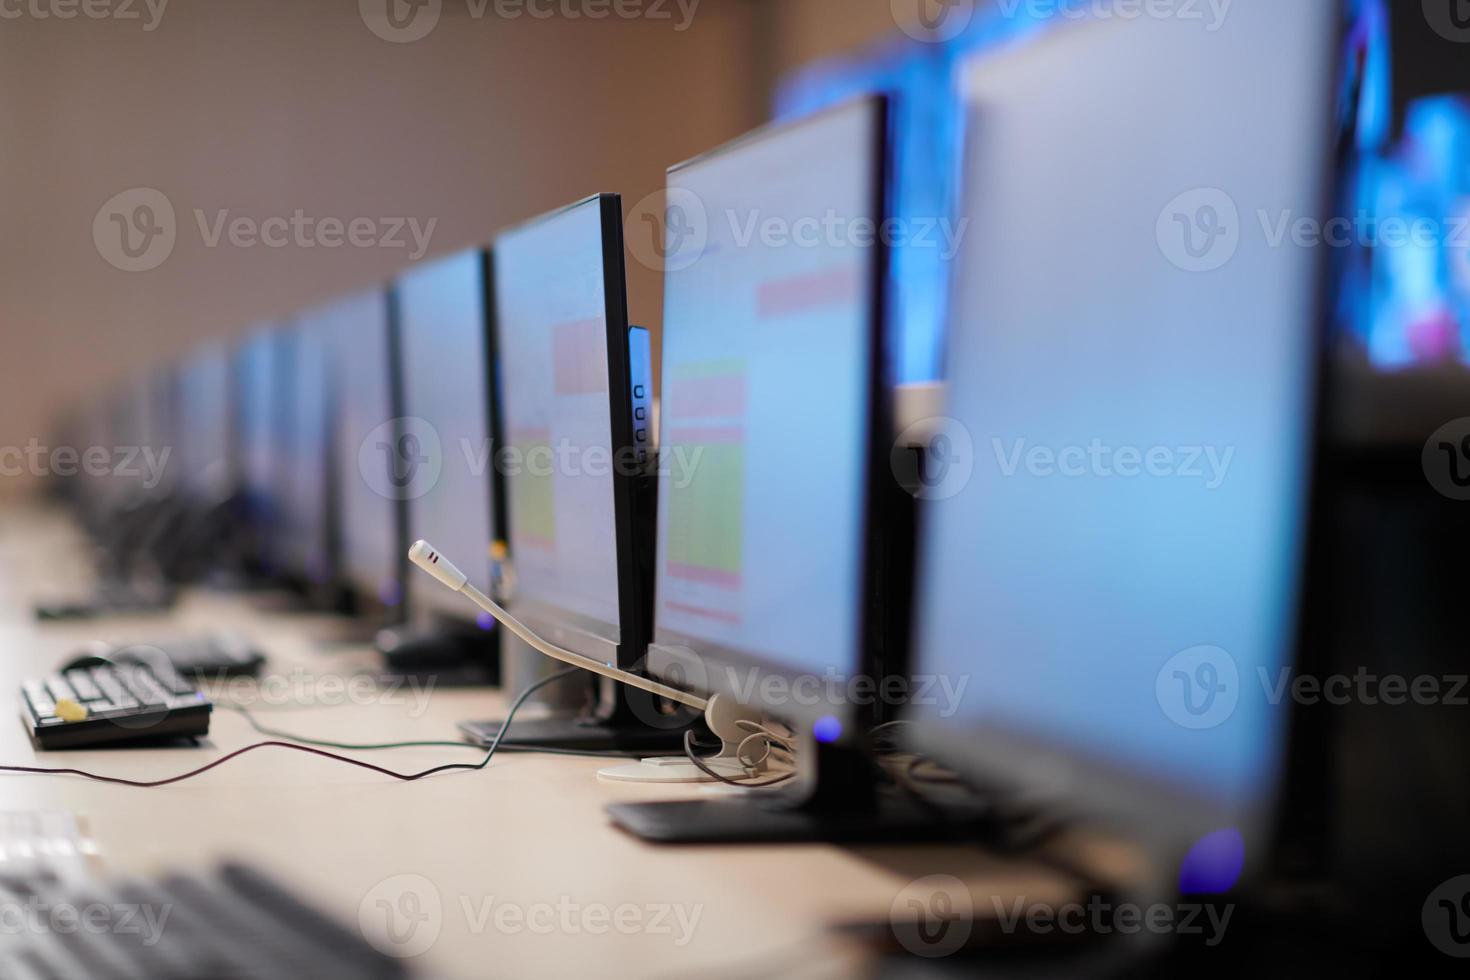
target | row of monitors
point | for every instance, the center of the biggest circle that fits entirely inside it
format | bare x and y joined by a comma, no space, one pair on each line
1116,550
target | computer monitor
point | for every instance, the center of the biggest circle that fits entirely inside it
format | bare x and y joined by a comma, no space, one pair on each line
205,432
1132,375
136,416
443,461
309,490
372,545
129,498
776,423
156,468
96,490
69,429
774,417
262,368
565,402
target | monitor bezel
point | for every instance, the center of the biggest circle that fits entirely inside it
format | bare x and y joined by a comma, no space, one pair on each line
576,631
1167,817
680,659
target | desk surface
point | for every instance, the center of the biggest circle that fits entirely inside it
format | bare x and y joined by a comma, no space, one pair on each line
528,832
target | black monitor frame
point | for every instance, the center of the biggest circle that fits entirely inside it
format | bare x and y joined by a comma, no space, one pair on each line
564,627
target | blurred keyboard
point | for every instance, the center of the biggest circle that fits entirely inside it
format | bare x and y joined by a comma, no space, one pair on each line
206,656
236,924
109,704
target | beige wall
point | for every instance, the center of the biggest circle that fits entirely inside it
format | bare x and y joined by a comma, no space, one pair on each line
267,106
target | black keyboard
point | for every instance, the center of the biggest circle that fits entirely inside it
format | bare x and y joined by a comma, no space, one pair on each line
119,703
236,924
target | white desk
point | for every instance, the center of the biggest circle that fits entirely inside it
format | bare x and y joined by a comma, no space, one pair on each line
528,831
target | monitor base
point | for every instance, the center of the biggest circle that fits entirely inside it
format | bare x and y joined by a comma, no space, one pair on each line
775,818
671,769
443,657
581,734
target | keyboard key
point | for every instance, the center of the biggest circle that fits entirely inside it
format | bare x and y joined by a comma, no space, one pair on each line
144,687
86,688
41,701
60,688
113,687
71,711
174,682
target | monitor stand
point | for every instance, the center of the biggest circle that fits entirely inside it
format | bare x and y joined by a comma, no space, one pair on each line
446,656
618,729
835,797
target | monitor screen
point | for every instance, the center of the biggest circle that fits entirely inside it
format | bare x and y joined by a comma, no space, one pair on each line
262,364
158,467
552,342
1110,565
205,428
371,549
306,488
443,458
94,428
768,385
133,423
